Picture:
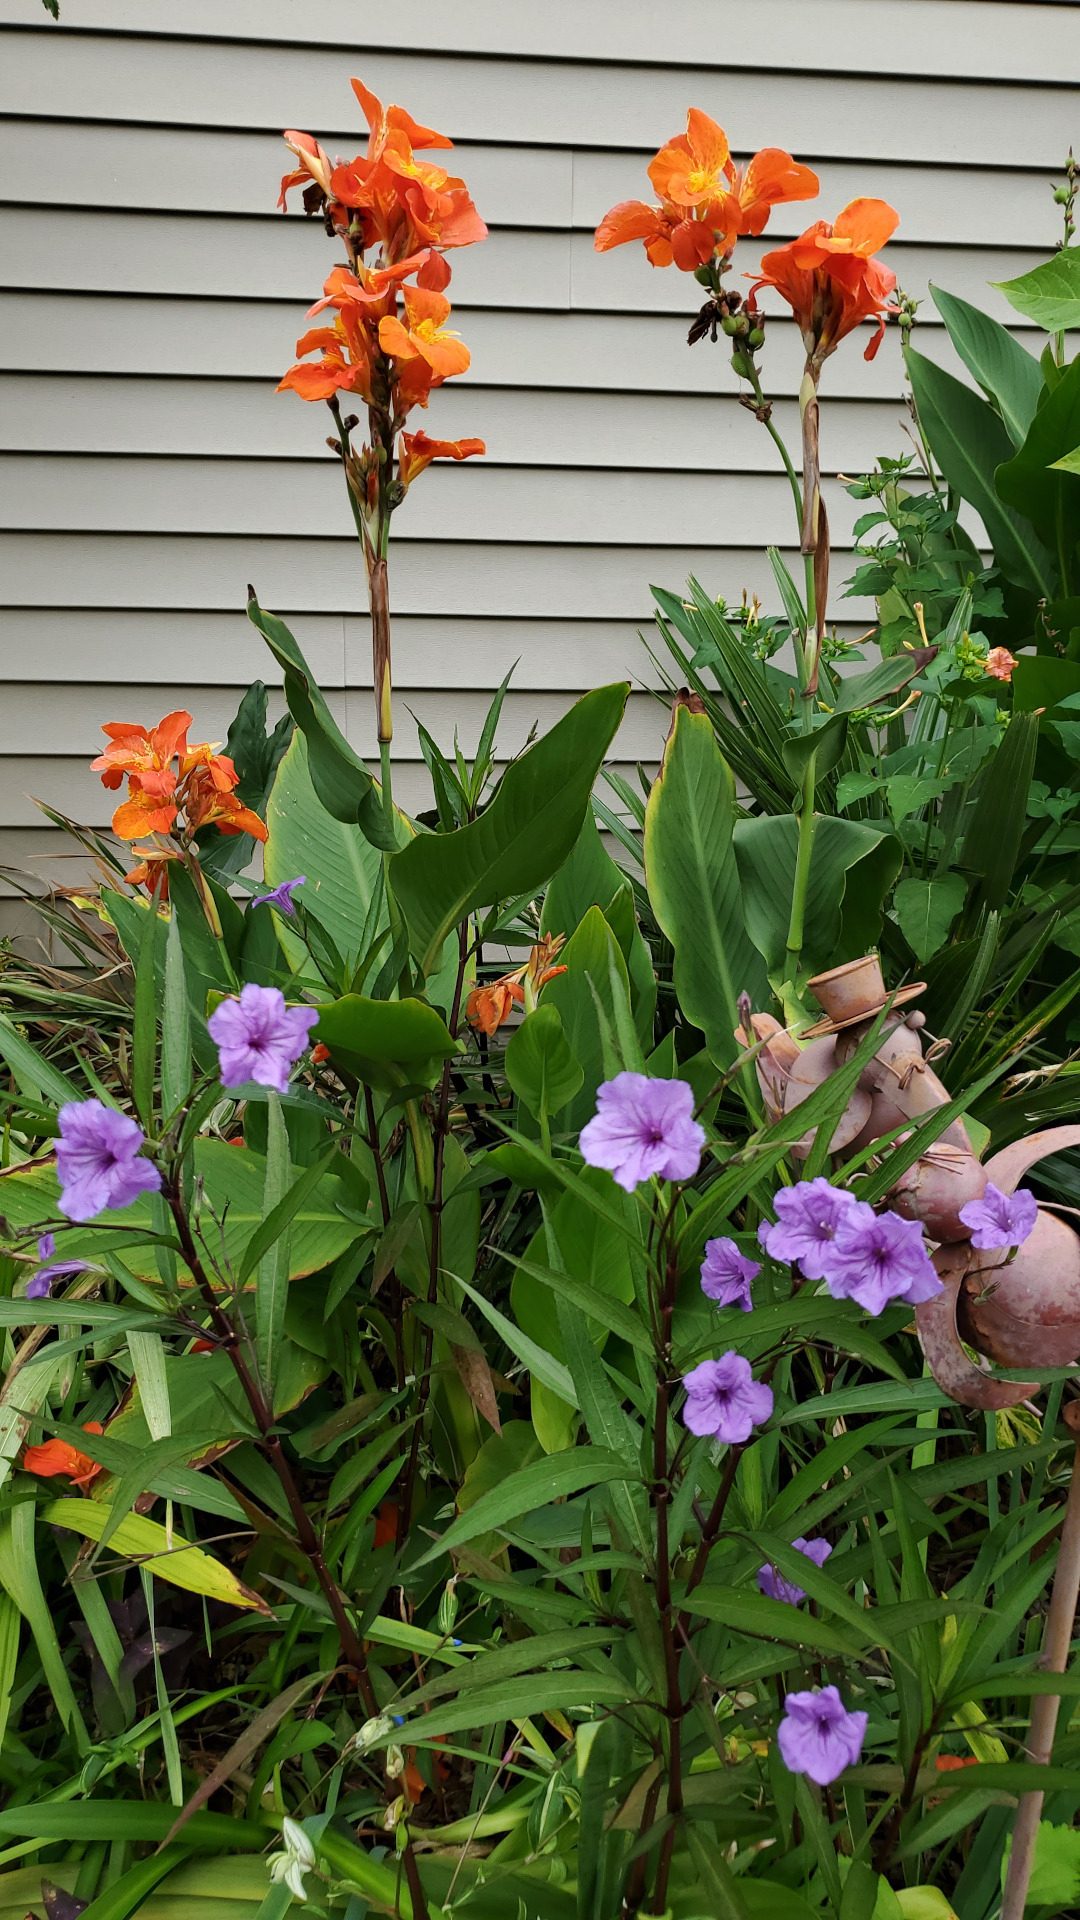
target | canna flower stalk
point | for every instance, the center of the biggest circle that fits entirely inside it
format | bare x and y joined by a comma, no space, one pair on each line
397,216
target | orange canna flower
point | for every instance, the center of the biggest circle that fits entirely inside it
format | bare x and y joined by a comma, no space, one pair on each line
319,1054
488,1006
152,871
205,805
423,334
386,120
633,220
999,663
346,364
315,165
830,281
706,201
417,452
769,179
952,1762
695,167
142,812
147,756
60,1456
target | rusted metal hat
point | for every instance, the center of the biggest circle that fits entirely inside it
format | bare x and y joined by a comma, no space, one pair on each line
854,992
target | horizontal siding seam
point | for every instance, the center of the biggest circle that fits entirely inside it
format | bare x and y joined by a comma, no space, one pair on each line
584,61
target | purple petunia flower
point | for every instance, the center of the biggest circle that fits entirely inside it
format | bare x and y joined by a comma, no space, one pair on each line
643,1127
808,1216
724,1399
774,1584
877,1257
98,1163
726,1274
281,897
818,1736
258,1037
39,1286
1000,1219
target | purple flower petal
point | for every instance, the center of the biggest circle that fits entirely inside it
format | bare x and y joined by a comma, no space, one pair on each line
777,1587
808,1217
726,1274
877,1257
818,1736
281,896
643,1127
98,1160
258,1037
1000,1219
725,1400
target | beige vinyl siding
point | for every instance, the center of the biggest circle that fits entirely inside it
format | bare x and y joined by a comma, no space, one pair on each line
150,298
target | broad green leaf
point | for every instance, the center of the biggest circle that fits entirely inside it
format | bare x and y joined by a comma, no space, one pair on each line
754,1613
693,880
516,1699
926,909
175,1025
590,878
825,745
555,1477
539,1064
970,443
148,1359
338,775
551,1371
343,870
519,840
1008,374
1050,293
169,1558
600,1306
388,1044
144,1031
852,865
21,1581
34,1074
9,1657
992,842
860,690
1033,483
520,1656
270,1245
580,996
1042,679
234,1180
138,1821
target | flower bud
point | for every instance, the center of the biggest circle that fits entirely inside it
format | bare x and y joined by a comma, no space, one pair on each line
374,1730
703,276
730,324
756,338
740,365
395,1762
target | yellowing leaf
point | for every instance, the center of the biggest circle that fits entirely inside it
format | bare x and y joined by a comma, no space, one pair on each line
181,1565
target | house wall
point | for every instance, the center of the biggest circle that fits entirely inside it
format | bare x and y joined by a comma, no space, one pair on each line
151,296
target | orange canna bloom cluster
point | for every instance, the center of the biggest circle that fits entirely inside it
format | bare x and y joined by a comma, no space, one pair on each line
397,215
408,212
706,202
61,1456
830,281
488,1006
173,787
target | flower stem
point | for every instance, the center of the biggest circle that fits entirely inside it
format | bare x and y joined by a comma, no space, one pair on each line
1054,1658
